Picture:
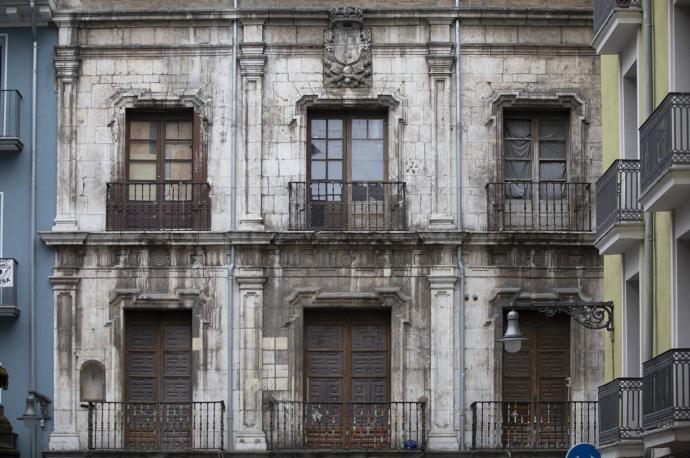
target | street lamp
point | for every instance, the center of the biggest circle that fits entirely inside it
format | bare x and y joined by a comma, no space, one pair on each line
512,339
31,417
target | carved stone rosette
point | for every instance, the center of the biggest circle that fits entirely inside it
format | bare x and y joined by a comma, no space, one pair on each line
347,50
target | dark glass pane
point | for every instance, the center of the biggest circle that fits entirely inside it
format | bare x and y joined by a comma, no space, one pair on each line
318,149
518,170
549,149
519,190
143,130
552,171
318,128
553,130
518,149
518,128
359,192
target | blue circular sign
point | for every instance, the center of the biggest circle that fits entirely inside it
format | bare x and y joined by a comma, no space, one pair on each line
583,451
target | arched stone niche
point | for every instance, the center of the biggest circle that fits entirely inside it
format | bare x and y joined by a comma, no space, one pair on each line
92,381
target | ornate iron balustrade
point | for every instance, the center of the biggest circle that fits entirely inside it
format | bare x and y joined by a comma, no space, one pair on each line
620,410
294,425
540,206
8,286
10,113
665,138
533,425
618,191
666,389
604,8
327,205
156,425
153,206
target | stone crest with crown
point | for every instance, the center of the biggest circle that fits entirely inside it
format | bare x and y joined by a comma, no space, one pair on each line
347,49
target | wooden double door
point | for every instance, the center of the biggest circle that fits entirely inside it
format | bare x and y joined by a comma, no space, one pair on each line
535,410
158,407
347,379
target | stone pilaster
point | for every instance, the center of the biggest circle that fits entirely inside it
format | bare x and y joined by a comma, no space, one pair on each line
252,62
440,62
65,435
250,435
442,435
67,64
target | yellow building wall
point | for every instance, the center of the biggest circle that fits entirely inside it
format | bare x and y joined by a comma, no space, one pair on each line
613,267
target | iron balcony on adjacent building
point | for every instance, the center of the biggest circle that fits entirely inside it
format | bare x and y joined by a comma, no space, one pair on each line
332,205
155,206
619,214
666,399
620,417
10,114
615,23
665,154
522,206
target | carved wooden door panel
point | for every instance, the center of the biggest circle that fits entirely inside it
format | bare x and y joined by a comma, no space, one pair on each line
347,372
535,384
158,380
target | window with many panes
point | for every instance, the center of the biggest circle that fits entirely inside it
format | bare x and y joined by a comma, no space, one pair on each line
535,152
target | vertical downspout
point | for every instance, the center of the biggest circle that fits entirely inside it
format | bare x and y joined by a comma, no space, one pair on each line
459,223
649,216
231,254
32,230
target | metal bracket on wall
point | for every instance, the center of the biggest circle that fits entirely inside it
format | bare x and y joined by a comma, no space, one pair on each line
591,315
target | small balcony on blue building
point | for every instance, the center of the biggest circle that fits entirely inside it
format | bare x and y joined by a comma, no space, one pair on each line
10,114
8,288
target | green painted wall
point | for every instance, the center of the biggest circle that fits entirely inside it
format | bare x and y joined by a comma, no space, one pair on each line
613,267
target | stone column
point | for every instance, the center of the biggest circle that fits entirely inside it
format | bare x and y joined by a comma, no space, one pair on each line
442,435
250,435
440,61
252,61
67,73
66,386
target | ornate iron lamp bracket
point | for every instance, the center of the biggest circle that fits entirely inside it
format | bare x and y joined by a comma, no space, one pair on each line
592,315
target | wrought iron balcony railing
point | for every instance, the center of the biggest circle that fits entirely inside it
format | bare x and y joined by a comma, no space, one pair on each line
618,191
666,389
156,425
327,205
10,117
540,206
8,287
604,8
665,138
620,410
153,206
296,425
533,425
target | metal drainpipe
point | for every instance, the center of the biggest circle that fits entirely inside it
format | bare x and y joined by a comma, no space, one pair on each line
32,231
460,266
649,216
231,254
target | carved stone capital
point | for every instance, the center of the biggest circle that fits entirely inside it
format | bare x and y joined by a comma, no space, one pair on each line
67,62
252,59
440,65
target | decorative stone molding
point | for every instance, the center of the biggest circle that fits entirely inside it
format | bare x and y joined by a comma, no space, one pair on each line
347,50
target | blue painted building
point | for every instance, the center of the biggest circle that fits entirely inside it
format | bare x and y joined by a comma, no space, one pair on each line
16,235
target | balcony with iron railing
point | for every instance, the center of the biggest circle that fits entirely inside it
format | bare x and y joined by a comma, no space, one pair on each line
156,425
10,118
533,425
620,415
546,206
619,214
297,425
156,206
615,22
665,154
8,288
328,205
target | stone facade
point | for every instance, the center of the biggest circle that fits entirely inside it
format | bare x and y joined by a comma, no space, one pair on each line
113,62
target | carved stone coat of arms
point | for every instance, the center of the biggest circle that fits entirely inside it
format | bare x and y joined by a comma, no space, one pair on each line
347,50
